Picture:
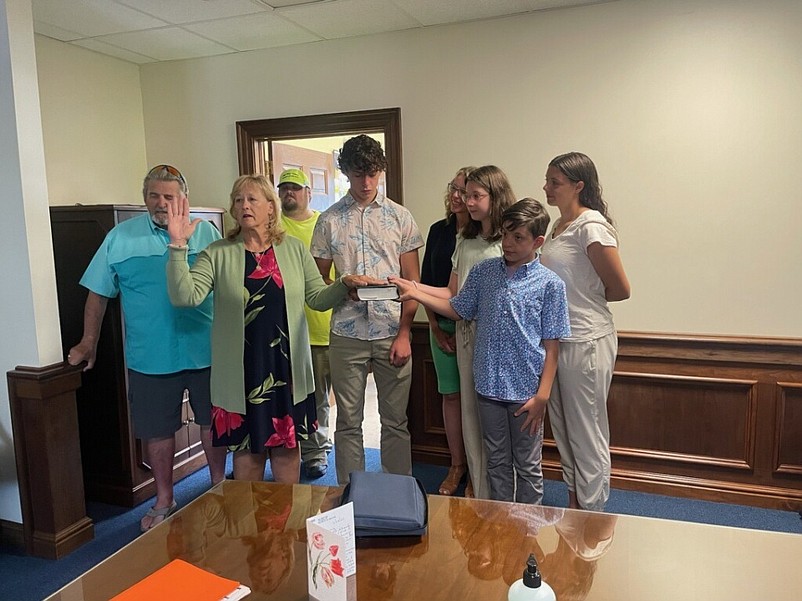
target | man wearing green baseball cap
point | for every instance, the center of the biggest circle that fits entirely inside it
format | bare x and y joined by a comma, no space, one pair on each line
299,220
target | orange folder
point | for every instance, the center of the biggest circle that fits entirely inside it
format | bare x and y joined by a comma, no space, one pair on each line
182,581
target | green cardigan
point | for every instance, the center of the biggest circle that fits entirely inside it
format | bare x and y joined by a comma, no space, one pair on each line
221,268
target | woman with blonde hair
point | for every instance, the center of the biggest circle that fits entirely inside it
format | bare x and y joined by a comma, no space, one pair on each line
436,271
261,375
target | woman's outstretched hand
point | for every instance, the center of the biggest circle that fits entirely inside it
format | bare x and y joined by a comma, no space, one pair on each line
179,226
406,288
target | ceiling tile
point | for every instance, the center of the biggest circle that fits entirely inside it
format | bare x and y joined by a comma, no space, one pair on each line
282,3
211,27
57,33
92,18
178,12
266,30
435,13
170,43
108,49
346,18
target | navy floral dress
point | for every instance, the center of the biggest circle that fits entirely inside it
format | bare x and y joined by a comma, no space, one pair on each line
271,419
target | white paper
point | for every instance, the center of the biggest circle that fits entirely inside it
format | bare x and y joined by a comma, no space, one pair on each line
331,552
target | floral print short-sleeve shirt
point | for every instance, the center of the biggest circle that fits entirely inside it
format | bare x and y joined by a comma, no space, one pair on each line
367,241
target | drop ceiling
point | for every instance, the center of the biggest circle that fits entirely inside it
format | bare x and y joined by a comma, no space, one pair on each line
147,31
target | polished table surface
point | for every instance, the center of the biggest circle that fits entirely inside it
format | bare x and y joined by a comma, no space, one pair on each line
255,533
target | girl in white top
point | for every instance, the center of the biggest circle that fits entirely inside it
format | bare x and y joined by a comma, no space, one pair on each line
583,250
487,194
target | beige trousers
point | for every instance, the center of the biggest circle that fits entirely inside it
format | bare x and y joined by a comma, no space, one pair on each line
578,417
350,361
314,450
471,427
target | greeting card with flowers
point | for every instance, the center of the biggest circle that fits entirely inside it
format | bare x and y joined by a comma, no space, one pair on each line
330,553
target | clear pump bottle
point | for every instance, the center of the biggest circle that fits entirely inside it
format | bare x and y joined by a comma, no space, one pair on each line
531,587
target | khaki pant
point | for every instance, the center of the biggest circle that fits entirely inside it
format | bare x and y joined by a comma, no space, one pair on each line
315,448
471,426
578,417
350,360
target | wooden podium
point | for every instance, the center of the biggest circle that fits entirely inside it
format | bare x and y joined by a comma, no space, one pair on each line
45,426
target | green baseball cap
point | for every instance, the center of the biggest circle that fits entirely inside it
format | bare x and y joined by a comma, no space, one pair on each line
294,176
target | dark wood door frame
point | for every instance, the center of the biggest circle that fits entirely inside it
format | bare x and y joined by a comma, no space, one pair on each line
251,135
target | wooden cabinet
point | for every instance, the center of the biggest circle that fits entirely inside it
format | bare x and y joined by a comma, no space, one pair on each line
115,465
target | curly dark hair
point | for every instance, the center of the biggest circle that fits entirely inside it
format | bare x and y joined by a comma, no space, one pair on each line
362,153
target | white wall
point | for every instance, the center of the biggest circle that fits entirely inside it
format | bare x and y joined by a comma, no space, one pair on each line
28,303
692,111
74,134
94,131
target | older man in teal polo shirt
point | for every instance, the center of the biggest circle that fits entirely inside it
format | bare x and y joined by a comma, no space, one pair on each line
166,348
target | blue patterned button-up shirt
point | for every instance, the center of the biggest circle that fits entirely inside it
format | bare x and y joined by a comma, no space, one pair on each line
367,241
513,316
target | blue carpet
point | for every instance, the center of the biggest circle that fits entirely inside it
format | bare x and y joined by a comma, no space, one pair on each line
24,578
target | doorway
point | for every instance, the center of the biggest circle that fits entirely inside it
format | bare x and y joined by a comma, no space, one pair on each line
318,158
268,146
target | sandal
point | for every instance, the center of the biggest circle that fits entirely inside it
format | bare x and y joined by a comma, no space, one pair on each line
158,516
453,478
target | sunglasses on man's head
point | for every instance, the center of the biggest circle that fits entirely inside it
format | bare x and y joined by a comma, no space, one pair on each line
169,169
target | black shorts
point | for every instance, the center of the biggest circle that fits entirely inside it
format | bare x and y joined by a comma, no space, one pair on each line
156,401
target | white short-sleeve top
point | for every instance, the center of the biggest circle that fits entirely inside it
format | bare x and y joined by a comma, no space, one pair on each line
567,255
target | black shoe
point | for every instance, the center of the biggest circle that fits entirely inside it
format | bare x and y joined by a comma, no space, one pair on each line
316,470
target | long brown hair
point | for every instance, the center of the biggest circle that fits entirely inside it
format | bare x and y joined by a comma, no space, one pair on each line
579,168
492,179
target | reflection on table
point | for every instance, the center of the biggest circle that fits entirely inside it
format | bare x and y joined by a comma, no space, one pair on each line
255,533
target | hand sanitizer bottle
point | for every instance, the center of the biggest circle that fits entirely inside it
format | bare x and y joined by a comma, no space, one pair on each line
531,587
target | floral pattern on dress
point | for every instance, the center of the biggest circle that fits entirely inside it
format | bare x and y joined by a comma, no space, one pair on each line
271,418
224,422
267,267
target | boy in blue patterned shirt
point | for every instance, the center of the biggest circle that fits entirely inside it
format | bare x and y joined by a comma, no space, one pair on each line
521,312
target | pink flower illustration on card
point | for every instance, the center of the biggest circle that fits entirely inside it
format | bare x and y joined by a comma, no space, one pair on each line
325,564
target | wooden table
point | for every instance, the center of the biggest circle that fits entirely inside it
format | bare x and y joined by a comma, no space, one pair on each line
255,533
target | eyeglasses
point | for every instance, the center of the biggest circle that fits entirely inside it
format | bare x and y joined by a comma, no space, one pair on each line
475,197
169,169
461,191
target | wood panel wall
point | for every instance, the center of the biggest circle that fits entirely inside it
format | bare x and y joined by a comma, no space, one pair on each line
709,417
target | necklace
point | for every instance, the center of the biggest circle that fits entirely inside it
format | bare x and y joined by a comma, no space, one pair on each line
258,256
